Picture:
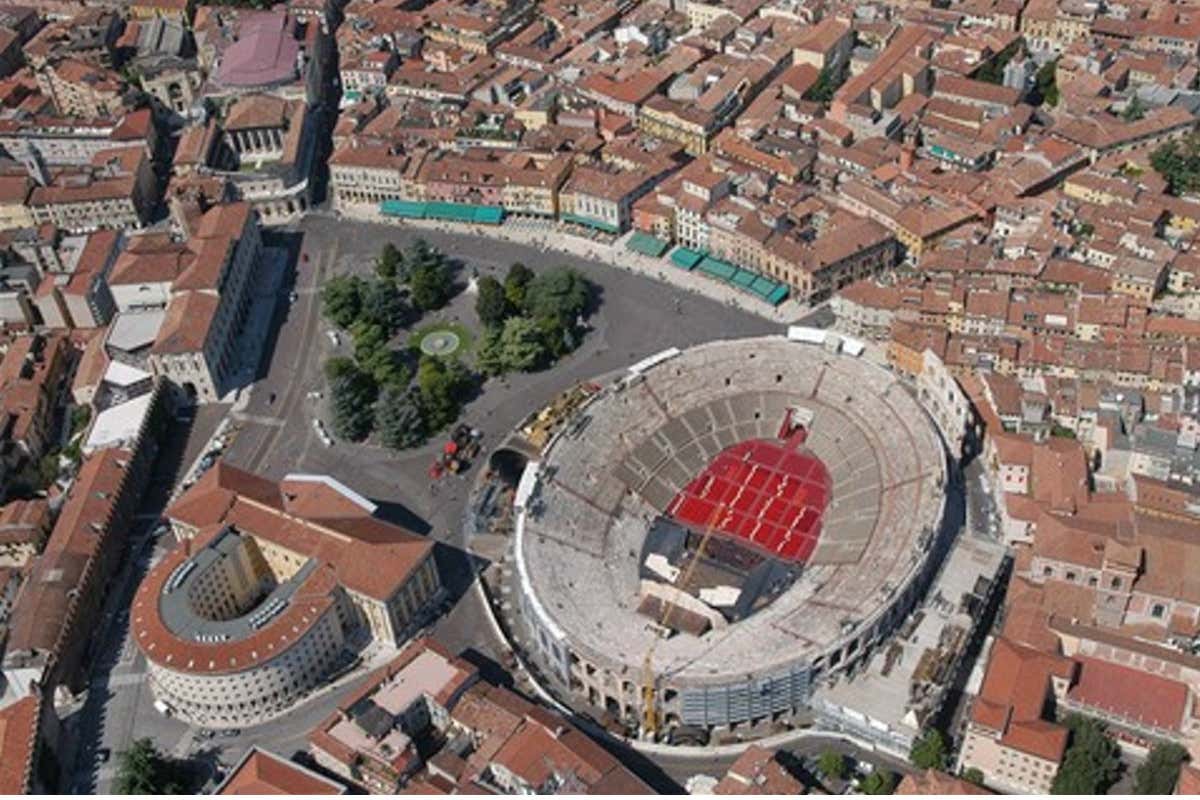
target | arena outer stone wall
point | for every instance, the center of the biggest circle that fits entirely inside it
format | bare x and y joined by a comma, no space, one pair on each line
620,461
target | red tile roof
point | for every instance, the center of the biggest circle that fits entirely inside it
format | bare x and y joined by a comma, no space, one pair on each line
261,772
18,737
1013,698
1130,693
933,781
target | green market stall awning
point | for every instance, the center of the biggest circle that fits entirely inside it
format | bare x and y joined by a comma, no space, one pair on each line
722,270
688,259
646,244
590,222
465,212
402,208
745,280
452,212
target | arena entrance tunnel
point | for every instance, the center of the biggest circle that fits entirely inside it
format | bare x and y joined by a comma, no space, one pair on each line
507,464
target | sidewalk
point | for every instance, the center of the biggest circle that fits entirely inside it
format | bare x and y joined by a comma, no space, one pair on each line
546,237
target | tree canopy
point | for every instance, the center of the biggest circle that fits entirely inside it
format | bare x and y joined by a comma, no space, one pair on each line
352,394
443,385
515,281
832,765
390,263
1091,763
398,417
428,275
1135,109
430,284
1179,164
828,82
1159,773
560,293
1045,85
973,775
491,304
341,299
929,751
521,345
382,304
879,782
142,769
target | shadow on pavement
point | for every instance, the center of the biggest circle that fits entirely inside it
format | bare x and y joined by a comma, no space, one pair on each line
291,242
399,514
457,568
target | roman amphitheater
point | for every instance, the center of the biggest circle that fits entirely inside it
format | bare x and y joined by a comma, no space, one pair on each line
728,526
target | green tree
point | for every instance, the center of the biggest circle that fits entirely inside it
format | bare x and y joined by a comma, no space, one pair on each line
521,345
558,335
1045,85
491,305
420,253
832,765
398,418
1179,164
560,293
142,769
373,355
352,396
1159,773
341,299
993,70
337,366
929,751
386,368
368,337
515,281
383,305
973,775
1135,109
429,283
443,385
488,355
390,264
828,82
80,417
1091,763
879,782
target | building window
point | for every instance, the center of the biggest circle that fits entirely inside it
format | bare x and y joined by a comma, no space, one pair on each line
1158,610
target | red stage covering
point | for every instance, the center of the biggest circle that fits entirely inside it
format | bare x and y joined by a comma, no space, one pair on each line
774,497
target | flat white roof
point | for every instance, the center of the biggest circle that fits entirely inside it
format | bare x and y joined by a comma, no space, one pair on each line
120,374
119,424
133,330
800,333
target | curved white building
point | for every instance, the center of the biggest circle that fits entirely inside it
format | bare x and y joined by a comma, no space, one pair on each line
271,589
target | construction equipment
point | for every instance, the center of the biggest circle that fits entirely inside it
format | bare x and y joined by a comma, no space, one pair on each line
649,680
458,451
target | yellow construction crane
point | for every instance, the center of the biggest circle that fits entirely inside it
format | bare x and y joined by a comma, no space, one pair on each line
649,680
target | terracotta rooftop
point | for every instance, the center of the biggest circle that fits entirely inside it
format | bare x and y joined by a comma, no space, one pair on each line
262,772
1131,694
18,734
933,781
1012,699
